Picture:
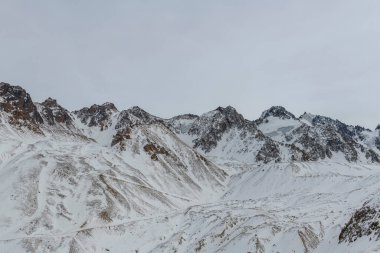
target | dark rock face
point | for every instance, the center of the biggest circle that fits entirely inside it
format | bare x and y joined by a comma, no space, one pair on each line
15,101
326,137
53,113
187,116
338,136
135,116
372,156
211,126
318,137
154,150
97,115
208,130
269,152
307,145
310,138
364,222
120,137
276,111
377,143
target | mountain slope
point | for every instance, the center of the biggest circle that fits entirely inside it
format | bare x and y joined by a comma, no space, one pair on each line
224,133
67,176
312,137
103,180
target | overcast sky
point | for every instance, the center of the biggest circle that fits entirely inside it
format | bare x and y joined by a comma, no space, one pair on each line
172,57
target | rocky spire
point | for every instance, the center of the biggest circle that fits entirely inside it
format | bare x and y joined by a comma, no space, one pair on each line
17,103
97,115
278,112
53,113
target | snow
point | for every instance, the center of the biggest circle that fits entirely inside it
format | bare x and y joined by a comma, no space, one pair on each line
66,193
276,128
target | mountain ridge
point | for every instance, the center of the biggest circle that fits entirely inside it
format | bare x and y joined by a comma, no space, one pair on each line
314,138
101,179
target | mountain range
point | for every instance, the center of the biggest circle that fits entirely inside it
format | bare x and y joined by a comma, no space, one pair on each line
100,179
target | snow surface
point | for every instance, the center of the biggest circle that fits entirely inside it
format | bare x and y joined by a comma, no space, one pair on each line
75,193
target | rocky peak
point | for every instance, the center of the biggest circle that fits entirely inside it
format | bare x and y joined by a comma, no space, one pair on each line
378,127
139,113
278,112
220,119
230,115
187,116
97,115
328,124
135,116
324,136
227,115
107,106
15,101
210,127
53,113
49,102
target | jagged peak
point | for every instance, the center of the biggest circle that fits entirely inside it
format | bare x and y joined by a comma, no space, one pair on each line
136,109
324,120
227,109
227,112
278,112
7,85
107,106
378,127
138,112
53,113
185,116
8,88
19,105
50,102
135,116
97,115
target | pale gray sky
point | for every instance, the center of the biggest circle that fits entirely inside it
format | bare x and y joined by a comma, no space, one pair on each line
172,57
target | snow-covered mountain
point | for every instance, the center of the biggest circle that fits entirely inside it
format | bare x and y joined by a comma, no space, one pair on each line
103,180
224,133
313,137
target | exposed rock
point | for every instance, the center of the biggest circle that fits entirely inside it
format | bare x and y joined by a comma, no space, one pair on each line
372,156
120,137
97,115
154,149
309,239
211,126
269,152
377,143
314,137
135,116
240,136
22,112
364,222
275,111
53,113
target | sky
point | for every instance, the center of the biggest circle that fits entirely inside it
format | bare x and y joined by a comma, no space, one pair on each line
174,57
